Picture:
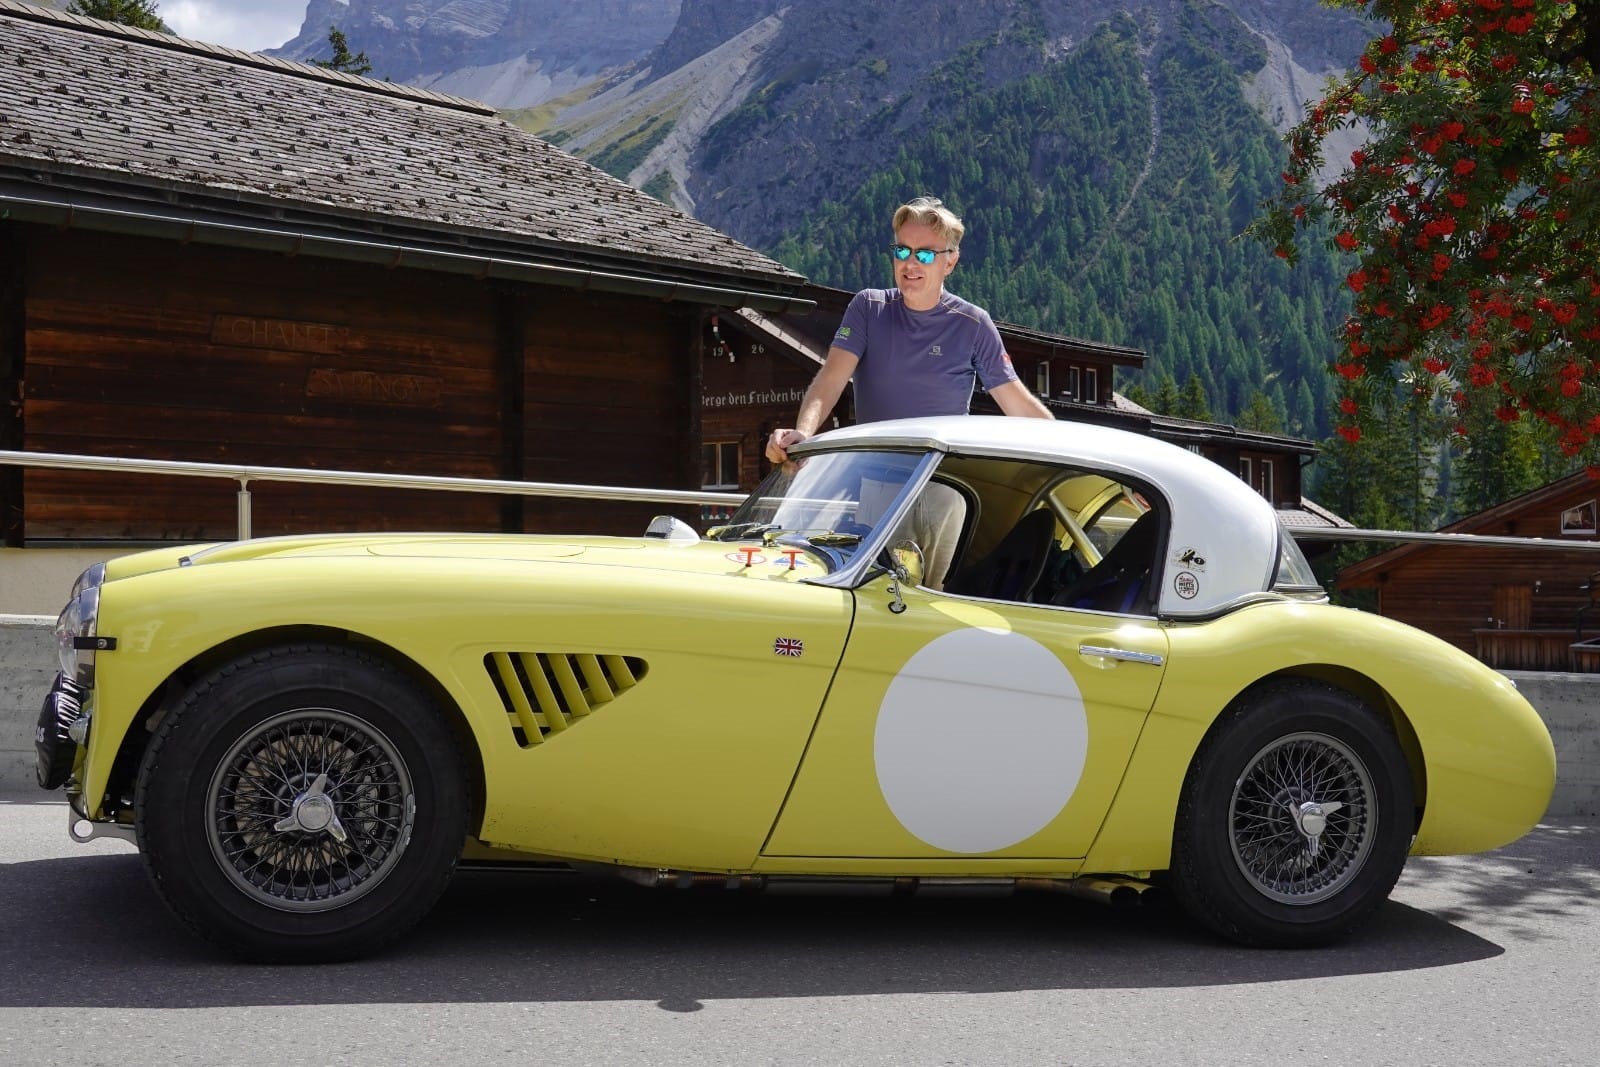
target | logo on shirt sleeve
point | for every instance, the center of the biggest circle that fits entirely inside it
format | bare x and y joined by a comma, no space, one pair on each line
844,331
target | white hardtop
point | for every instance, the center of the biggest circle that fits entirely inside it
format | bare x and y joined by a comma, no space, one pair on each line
1222,546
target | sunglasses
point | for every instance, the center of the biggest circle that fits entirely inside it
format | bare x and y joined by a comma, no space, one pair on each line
924,255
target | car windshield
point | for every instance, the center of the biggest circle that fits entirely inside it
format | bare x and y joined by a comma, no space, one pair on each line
830,501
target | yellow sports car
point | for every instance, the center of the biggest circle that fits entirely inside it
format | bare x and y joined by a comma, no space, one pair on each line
1006,651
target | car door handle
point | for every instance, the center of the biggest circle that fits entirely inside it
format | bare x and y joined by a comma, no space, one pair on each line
1122,654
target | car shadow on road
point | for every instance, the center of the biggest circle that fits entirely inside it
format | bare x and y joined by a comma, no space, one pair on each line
90,932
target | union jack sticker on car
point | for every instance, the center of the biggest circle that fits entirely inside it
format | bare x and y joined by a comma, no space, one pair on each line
788,646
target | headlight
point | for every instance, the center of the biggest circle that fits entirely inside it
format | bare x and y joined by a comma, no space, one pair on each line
75,628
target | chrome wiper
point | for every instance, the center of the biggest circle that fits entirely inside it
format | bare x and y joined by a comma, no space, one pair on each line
740,531
770,533
834,539
820,539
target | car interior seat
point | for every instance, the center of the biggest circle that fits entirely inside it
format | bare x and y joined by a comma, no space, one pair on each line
1010,571
1118,580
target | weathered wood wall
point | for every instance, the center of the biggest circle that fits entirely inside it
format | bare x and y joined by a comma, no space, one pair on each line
152,349
13,345
748,389
1452,591
612,385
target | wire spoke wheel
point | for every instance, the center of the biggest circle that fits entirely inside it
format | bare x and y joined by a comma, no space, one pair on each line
1302,818
310,810
1296,816
303,802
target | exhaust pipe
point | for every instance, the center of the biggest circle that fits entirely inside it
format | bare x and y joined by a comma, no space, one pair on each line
1114,891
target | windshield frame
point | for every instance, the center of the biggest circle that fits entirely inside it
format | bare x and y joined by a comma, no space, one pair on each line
857,569
861,568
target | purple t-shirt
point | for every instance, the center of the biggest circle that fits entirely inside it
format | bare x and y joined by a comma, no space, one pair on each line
919,363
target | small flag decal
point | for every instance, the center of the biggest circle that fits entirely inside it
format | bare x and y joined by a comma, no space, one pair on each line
788,646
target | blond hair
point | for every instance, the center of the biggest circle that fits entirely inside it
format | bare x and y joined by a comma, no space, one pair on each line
931,212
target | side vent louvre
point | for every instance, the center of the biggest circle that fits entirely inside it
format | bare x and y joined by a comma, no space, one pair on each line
545,693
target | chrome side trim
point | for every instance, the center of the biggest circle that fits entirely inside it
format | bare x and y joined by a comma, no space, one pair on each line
1122,654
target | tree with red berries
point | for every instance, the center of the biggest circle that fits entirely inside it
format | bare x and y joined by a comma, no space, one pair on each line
1472,211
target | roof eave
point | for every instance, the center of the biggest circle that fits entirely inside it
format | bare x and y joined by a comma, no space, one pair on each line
176,222
1214,432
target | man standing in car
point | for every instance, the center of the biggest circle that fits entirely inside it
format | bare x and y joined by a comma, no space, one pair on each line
915,350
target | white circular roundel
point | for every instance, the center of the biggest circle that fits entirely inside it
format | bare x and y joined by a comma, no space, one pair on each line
980,740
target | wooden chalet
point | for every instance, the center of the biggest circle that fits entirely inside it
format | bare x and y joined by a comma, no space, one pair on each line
758,364
207,254
1513,608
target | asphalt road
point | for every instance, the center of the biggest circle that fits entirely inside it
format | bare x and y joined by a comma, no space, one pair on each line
1492,959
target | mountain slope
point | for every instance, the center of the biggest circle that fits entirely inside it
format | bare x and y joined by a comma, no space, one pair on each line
843,83
507,53
643,129
1103,196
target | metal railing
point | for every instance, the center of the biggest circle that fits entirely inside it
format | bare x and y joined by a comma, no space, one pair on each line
244,475
1345,533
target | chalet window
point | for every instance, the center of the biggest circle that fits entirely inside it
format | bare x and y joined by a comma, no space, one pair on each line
719,465
1091,386
1266,479
1244,470
1041,379
1071,392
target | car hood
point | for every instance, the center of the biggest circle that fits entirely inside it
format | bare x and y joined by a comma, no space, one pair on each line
702,557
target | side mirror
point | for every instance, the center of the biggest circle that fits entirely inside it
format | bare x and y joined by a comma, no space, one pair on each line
670,528
904,560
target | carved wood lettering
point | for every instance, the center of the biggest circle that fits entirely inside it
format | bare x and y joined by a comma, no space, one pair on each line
370,387
285,334
751,398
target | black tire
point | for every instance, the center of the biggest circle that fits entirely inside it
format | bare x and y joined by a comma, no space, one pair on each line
304,803
1244,860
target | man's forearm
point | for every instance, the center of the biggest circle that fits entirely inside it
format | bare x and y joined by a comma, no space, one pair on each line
824,391
821,395
1015,399
814,406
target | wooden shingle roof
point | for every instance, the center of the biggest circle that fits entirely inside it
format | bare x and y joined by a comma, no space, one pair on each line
103,116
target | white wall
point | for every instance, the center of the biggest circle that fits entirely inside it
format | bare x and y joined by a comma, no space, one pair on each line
27,668
1570,707
35,581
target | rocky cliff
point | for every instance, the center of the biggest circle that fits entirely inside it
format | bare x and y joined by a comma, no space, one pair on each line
509,53
703,25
